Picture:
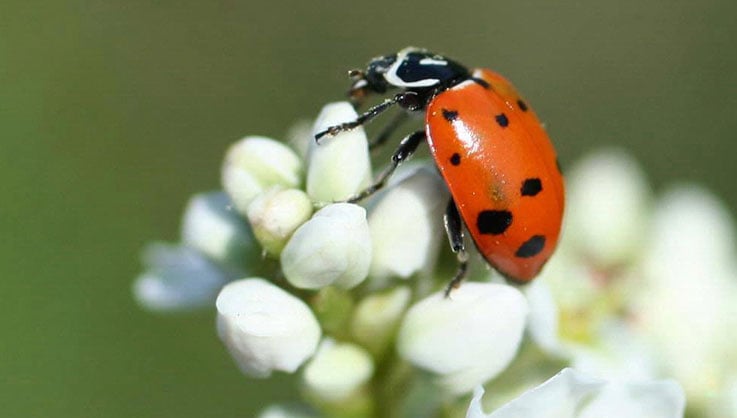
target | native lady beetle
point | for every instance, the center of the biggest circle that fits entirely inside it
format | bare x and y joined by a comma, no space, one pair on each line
489,146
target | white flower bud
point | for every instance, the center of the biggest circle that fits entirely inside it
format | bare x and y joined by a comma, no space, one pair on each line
332,248
543,317
608,199
377,316
265,328
213,227
339,166
337,371
571,394
282,411
467,338
276,214
177,278
406,226
256,163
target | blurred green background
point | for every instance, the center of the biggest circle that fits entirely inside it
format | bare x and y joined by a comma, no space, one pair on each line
113,112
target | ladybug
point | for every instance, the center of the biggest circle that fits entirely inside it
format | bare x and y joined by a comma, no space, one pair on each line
490,148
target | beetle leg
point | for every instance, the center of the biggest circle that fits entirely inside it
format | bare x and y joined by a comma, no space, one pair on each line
454,229
408,100
388,130
405,150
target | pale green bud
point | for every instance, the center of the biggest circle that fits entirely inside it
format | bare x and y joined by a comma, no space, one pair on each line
337,371
377,317
275,215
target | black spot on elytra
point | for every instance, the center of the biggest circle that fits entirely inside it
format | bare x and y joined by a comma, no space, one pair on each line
455,159
531,187
481,82
493,222
502,120
522,105
450,115
531,247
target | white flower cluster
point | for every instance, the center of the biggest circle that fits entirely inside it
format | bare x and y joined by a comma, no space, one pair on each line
350,297
643,286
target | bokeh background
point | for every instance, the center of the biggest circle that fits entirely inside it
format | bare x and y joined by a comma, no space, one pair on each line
113,112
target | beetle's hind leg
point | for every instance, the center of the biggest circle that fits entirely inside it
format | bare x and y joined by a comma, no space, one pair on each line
454,229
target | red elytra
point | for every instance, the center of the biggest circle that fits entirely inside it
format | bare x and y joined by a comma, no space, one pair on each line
492,151
501,169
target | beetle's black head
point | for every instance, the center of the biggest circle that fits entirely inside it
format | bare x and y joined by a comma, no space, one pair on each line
372,80
411,69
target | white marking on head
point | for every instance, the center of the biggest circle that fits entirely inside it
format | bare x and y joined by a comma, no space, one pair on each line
433,61
392,78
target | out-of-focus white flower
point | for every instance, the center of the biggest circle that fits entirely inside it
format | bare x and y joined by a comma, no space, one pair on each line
256,163
571,394
339,166
337,370
406,226
687,305
543,317
332,248
177,278
281,411
265,328
276,214
377,316
210,225
467,338
607,205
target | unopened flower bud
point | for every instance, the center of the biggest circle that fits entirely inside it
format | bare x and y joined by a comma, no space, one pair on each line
467,338
275,215
337,370
339,166
256,163
332,248
177,278
212,226
265,328
406,226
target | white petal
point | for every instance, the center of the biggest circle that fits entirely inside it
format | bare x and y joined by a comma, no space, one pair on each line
559,397
339,166
276,214
177,278
255,163
663,399
608,199
572,394
406,226
265,328
465,339
337,370
332,248
212,226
